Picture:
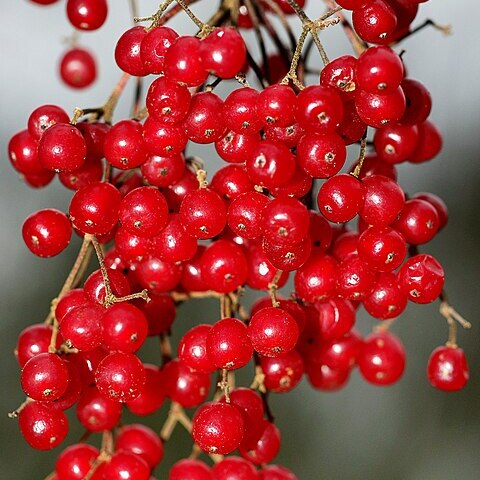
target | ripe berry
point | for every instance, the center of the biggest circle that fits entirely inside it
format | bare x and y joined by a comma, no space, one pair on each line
184,62
192,349
78,68
261,271
266,447
282,373
422,278
87,14
75,461
379,110
96,412
245,214
203,213
230,182
154,46
429,143
419,102
276,472
34,340
396,143
47,232
276,105
190,468
218,428
447,369
22,152
382,359
224,266
223,52
45,377
152,395
374,21
228,344
240,111
234,468
379,70
164,139
340,74
126,465
163,171
42,427
141,441
120,376
340,198
44,117
62,148
127,52
185,386
354,278
94,208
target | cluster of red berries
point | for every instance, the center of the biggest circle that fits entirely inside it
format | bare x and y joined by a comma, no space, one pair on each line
174,235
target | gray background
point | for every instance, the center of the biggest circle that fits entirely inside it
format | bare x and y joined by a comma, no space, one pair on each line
406,432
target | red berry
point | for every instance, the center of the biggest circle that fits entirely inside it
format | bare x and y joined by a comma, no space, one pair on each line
96,412
447,369
47,232
42,427
127,52
382,359
191,469
152,395
78,68
375,21
87,14
76,461
126,465
234,468
218,428
193,350
154,46
282,373
266,447
379,110
120,376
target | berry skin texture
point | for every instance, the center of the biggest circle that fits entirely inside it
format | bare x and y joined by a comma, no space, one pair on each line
45,377
282,373
273,331
154,46
94,208
382,359
228,344
234,468
120,376
44,117
374,21
447,369
96,412
42,427
78,68
379,110
266,447
422,278
127,52
192,349
340,198
62,148
218,428
47,232
126,466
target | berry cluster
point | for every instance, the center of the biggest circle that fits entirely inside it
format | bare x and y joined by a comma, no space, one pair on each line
159,228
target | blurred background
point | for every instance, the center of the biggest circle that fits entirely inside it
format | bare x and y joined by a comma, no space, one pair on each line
406,432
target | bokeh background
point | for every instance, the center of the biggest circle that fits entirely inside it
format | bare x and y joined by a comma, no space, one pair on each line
405,432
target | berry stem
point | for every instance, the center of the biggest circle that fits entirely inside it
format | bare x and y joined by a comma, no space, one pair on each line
445,29
165,348
361,156
273,287
224,384
452,316
225,306
111,103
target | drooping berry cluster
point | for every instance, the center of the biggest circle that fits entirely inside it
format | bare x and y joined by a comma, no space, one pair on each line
171,235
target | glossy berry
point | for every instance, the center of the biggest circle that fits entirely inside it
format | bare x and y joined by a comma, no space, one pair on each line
422,278
223,52
234,468
126,465
94,208
382,249
336,317
142,441
81,327
429,143
228,344
321,155
123,146
154,46
276,105
185,386
374,21
32,341
96,412
218,428
340,198
78,68
272,331
382,359
75,461
379,70
261,272
447,369
152,395
164,139
94,286
419,102
47,232
438,204
192,349
203,213
386,299
240,111
127,52
224,266
396,143
340,74
45,377
266,447
270,165
276,472
120,376
190,468
44,117
282,373
125,328
42,427
87,14
354,278
184,62
245,214
418,222
62,148
379,110
163,171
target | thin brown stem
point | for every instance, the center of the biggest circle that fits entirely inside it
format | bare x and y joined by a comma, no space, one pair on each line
361,157
273,287
111,103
